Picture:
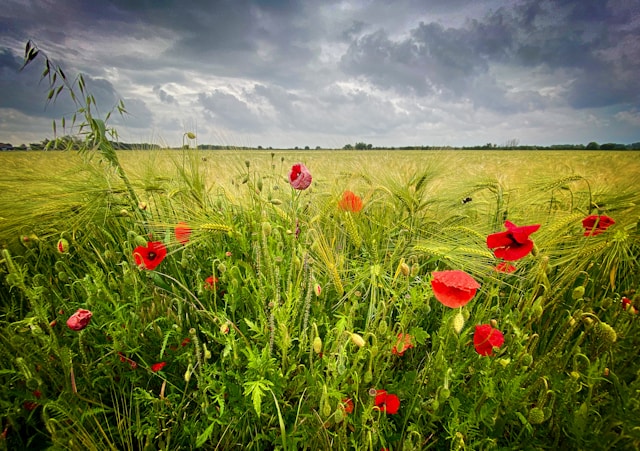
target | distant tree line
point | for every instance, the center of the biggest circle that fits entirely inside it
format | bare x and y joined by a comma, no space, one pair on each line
76,143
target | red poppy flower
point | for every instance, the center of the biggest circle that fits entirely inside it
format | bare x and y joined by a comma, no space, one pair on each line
149,257
595,225
453,288
350,202
403,343
486,338
132,363
300,177
512,244
182,232
185,342
347,405
505,267
387,403
79,320
210,283
158,366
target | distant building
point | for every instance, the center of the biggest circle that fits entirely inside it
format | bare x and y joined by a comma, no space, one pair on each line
6,146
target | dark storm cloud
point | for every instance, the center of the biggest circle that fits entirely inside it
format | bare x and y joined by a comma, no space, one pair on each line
577,36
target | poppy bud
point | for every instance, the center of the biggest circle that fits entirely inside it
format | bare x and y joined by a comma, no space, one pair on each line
142,205
187,374
526,360
382,327
605,333
338,415
404,269
317,289
578,293
224,328
63,245
191,135
536,416
317,345
458,322
444,394
140,241
357,340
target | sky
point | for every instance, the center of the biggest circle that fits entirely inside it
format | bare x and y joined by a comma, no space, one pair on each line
327,73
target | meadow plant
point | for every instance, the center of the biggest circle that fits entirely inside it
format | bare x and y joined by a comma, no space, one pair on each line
284,311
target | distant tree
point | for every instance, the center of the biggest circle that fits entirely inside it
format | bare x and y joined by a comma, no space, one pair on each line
363,146
306,147
348,147
635,146
608,146
593,146
318,147
511,143
260,147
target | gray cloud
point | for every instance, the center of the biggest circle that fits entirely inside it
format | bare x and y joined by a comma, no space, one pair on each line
230,111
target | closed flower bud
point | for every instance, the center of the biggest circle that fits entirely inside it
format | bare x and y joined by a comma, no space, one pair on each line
444,394
338,415
404,269
458,322
578,293
317,345
536,416
187,374
606,333
526,360
224,328
63,245
317,289
357,340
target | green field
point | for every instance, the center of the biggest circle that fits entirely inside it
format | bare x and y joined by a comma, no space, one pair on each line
279,319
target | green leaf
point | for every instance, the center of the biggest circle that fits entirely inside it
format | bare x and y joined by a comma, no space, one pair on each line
256,390
202,438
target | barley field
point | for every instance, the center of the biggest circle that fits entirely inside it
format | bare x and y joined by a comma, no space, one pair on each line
319,300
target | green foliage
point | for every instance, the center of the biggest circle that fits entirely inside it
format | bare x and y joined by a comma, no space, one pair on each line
279,307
